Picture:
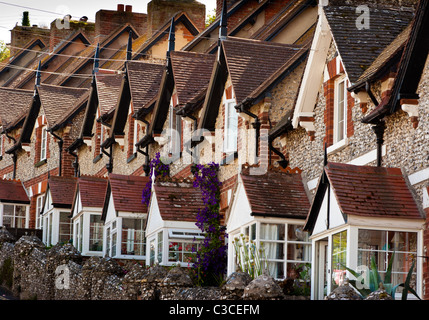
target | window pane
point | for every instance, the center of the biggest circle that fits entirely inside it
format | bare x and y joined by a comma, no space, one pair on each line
340,110
65,227
339,257
272,231
95,233
276,269
133,237
296,233
298,252
272,250
8,213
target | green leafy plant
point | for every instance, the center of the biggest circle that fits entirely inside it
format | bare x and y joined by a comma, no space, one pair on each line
374,280
248,256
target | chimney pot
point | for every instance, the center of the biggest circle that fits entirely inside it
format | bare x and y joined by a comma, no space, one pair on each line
120,7
128,8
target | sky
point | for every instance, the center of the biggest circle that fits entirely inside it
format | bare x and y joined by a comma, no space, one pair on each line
43,12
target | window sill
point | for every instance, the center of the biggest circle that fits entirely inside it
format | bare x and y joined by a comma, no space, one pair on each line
41,163
338,146
97,158
132,157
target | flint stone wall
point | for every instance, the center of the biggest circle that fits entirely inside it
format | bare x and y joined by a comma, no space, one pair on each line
61,273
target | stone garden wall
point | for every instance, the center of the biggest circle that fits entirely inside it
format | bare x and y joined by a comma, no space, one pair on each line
33,272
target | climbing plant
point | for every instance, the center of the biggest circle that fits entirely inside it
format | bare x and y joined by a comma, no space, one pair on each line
210,262
157,169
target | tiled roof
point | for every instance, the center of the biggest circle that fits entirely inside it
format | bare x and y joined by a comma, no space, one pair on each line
62,190
13,191
15,105
192,72
371,191
251,62
359,48
92,191
178,201
277,194
127,192
108,88
386,55
58,101
145,79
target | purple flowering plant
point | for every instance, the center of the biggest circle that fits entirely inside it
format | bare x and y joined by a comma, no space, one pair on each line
157,169
211,258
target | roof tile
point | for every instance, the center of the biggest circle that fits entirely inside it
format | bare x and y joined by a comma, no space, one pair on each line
372,191
277,194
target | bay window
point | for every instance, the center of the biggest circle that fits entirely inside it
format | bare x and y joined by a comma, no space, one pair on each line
14,216
383,244
281,247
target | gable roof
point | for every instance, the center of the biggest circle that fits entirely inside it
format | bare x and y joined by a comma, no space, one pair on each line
15,106
46,58
367,192
62,190
144,79
276,194
410,69
126,192
92,191
13,191
359,48
108,83
191,72
59,101
75,64
14,61
253,66
178,201
251,62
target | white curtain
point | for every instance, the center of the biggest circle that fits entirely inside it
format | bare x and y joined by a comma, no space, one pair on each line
270,232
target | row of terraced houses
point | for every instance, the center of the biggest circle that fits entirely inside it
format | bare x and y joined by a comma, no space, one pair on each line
317,113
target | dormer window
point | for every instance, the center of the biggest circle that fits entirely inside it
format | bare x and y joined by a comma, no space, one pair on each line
231,127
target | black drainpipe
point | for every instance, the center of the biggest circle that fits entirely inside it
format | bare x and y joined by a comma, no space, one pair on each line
379,133
14,156
109,165
75,162
60,147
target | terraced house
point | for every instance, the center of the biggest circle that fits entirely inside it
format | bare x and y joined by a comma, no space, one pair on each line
315,111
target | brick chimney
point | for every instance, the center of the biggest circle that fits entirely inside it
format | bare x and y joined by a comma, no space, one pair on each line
21,36
219,4
107,21
161,11
62,29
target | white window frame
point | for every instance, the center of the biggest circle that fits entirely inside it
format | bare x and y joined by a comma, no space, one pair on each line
230,143
252,232
2,214
135,136
340,81
175,132
39,205
43,143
